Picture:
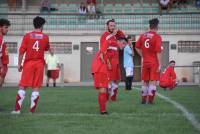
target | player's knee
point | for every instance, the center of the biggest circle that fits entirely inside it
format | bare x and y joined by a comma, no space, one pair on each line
144,90
102,90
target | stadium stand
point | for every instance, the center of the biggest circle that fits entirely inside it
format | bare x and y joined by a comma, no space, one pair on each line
132,17
135,6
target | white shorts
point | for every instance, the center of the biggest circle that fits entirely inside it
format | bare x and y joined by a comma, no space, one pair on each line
129,71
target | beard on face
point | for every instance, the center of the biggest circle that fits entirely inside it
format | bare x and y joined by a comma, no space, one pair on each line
111,31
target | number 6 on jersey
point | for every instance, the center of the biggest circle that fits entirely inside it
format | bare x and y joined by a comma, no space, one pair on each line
146,43
36,46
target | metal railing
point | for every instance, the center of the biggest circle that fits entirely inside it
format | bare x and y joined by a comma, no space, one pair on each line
59,24
186,75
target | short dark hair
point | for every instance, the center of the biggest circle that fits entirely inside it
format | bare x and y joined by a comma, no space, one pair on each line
111,20
129,37
122,38
153,23
38,22
172,61
4,22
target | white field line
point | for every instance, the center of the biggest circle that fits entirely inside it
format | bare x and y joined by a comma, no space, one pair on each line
189,116
96,115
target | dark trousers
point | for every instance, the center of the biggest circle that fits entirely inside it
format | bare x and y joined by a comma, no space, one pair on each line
128,82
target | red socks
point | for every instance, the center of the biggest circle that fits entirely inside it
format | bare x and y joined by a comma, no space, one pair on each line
114,97
102,99
34,100
151,97
19,99
17,104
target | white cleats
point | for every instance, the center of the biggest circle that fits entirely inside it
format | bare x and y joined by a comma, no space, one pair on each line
15,112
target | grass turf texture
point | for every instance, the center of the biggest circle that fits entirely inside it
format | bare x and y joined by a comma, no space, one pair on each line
74,110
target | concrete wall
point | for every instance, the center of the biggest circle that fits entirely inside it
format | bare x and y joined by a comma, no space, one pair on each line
182,59
72,61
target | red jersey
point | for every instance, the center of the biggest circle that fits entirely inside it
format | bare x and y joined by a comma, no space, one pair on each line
112,48
3,52
167,74
150,44
97,65
91,1
34,44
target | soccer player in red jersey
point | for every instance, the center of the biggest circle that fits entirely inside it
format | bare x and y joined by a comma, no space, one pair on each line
112,34
33,46
4,59
148,47
168,77
100,70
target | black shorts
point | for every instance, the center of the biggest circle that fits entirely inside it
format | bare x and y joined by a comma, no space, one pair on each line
49,73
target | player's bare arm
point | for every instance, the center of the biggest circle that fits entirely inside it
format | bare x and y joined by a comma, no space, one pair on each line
139,51
159,61
20,62
109,64
1,62
101,58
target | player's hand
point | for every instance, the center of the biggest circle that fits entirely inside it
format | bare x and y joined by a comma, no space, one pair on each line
20,68
159,69
101,58
1,65
115,32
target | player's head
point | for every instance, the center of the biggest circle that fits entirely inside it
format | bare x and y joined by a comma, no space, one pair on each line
111,25
51,51
172,63
153,24
38,22
4,25
122,42
129,40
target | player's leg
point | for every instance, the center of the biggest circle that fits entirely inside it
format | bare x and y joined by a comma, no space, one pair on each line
116,77
101,83
1,81
54,82
35,96
48,77
37,83
145,84
19,100
152,91
3,72
130,82
154,77
144,92
114,90
102,99
26,81
129,75
127,79
55,75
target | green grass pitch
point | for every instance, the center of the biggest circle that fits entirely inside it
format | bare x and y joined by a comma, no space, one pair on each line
74,110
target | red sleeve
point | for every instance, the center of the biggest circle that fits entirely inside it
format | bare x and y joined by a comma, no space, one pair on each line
119,34
158,44
170,72
103,44
5,58
139,43
173,74
48,45
24,45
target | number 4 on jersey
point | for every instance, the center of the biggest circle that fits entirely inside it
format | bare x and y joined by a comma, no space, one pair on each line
36,46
